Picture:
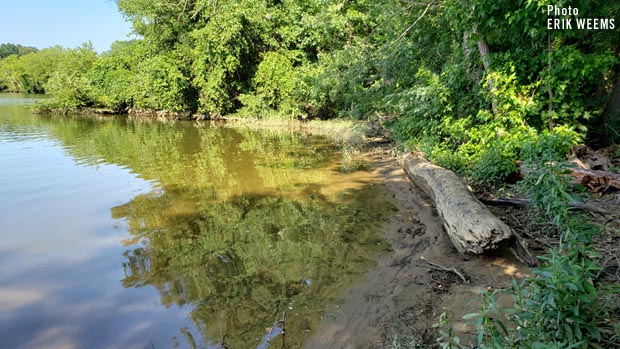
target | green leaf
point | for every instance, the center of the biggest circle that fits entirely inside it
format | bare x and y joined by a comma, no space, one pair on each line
589,288
502,326
575,345
471,316
571,286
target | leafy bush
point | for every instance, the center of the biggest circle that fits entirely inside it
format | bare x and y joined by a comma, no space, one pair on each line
421,107
558,306
69,84
495,164
159,84
113,76
274,86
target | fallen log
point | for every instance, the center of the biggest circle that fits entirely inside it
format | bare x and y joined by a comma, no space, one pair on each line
588,158
525,202
470,225
597,181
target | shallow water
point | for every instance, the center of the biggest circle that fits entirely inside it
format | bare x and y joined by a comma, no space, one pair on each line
118,233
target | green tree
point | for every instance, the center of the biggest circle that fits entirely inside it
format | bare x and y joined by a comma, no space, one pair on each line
13,49
274,86
69,84
225,43
113,75
28,73
160,84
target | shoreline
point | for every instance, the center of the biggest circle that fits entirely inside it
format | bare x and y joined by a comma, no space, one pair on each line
400,298
400,295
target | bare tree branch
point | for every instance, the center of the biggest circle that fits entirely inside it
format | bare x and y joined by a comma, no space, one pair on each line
404,33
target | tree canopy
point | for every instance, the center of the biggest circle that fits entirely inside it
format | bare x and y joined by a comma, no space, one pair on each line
474,62
9,49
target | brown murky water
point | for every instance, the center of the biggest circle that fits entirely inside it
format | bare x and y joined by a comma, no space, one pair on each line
131,234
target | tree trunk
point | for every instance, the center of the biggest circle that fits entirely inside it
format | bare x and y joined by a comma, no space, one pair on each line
595,180
611,114
483,50
472,228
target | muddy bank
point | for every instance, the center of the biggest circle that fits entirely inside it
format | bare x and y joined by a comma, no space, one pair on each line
402,294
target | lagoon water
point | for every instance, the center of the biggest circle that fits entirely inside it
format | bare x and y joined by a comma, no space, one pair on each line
119,233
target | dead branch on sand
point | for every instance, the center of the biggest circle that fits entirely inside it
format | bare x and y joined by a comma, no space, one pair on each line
439,267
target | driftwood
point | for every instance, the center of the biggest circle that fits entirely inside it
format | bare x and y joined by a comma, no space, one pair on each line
590,159
596,180
439,267
472,228
525,202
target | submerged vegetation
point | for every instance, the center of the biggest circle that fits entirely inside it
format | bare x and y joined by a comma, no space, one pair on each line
476,85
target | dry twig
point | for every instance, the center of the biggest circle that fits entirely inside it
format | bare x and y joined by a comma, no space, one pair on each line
439,267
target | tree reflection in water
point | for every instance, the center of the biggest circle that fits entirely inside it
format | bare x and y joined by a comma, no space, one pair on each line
239,228
244,238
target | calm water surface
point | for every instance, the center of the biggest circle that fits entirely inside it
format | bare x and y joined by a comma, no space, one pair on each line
132,234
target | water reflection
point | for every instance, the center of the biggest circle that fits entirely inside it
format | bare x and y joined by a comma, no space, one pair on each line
239,263
238,228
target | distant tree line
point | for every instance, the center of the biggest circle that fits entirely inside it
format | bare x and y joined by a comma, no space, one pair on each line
13,49
27,69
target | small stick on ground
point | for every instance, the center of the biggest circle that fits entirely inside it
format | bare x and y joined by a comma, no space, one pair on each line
439,267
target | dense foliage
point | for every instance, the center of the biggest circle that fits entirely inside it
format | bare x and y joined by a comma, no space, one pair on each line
26,69
451,77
